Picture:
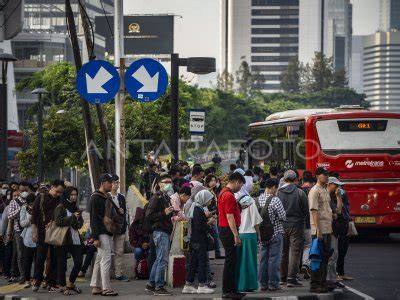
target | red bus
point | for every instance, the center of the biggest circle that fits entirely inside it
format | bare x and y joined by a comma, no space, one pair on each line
362,146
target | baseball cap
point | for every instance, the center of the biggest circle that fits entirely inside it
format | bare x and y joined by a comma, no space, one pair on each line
335,181
240,171
107,177
320,171
289,175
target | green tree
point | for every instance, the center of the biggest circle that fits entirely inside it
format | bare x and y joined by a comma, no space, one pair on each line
340,79
322,73
282,105
290,78
244,79
225,81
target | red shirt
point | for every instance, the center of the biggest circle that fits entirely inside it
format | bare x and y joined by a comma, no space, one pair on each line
227,205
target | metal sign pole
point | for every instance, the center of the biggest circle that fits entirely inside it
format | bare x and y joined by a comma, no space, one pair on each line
119,99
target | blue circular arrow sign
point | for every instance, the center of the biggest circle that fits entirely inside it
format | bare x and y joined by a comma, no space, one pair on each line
146,80
97,81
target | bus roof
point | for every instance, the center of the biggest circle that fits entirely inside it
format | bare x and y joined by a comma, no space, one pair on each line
302,114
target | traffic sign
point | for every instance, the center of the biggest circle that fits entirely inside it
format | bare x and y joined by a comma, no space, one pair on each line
97,81
197,121
146,80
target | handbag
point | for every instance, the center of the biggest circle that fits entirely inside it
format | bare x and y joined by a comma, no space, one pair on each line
55,235
352,229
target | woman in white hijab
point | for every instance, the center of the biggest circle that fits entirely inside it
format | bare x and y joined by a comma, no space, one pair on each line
198,244
247,187
246,271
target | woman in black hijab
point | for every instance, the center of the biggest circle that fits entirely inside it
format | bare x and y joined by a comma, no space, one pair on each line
68,214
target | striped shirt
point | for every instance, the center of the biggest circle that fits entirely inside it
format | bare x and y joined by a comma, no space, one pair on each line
276,212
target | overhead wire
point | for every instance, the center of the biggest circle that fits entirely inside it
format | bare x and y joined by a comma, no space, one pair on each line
13,11
91,28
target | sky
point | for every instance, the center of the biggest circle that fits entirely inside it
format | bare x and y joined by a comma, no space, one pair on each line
197,27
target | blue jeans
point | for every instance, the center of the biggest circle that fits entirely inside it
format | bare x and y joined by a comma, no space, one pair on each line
157,274
270,262
216,241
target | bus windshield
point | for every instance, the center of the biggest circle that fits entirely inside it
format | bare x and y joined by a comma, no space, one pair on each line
347,136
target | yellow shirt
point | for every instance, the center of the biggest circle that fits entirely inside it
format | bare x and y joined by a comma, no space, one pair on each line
319,200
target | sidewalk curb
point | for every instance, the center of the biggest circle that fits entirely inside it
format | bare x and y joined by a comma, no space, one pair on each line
331,296
15,297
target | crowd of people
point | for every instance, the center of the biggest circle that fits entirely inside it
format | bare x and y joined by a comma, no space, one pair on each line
277,230
40,228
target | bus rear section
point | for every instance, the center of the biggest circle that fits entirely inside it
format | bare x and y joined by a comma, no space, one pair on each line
364,148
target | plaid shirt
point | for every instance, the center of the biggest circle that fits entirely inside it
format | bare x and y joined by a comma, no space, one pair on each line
13,213
276,212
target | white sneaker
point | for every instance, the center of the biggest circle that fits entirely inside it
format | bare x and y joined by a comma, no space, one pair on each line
204,290
188,289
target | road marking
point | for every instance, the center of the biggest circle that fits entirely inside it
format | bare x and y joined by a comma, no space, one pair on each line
11,288
361,294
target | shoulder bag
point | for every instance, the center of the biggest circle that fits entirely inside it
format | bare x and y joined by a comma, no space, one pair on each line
55,235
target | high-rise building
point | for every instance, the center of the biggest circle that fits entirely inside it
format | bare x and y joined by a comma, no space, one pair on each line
356,66
262,32
44,40
326,26
381,70
389,15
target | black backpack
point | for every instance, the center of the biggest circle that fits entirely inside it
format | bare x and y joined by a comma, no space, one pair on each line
266,226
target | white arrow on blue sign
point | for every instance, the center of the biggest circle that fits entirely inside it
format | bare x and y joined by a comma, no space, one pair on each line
97,81
146,80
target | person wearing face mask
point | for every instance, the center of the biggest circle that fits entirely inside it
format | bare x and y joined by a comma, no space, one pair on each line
158,214
229,222
67,214
119,239
178,201
29,245
14,217
42,214
6,235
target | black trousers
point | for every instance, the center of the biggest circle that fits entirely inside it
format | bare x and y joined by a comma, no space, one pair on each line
29,258
90,251
318,278
228,277
76,252
198,263
343,245
8,254
41,255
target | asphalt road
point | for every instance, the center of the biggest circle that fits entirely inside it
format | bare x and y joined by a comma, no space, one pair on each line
375,264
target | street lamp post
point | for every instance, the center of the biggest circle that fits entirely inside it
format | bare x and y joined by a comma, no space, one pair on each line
5,58
40,92
197,65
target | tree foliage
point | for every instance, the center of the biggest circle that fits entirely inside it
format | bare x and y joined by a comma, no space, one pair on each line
290,81
313,78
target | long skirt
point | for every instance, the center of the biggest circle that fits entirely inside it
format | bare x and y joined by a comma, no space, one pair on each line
246,267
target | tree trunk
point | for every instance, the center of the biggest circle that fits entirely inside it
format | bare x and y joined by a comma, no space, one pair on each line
93,160
108,161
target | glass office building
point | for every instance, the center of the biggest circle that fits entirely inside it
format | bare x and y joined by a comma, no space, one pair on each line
44,40
265,33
